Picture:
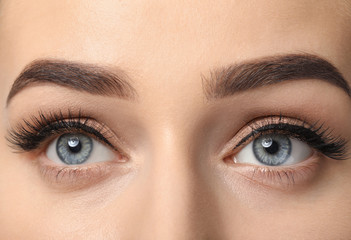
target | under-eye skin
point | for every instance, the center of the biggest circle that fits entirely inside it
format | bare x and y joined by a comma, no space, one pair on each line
70,149
282,152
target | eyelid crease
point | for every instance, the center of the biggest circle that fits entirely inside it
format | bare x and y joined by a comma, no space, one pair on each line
316,135
31,133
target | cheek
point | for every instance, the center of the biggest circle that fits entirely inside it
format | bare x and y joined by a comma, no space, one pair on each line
253,211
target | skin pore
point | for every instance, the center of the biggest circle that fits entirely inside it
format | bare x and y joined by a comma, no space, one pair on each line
176,172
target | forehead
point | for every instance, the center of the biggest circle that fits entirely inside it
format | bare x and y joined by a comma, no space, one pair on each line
150,35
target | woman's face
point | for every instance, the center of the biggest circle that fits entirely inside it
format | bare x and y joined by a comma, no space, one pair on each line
164,120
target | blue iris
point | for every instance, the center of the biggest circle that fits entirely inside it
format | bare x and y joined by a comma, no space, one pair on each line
272,149
74,148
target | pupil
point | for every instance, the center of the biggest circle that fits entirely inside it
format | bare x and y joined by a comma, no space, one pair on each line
273,148
74,145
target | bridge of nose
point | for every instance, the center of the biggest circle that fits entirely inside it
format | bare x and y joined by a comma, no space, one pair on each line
179,202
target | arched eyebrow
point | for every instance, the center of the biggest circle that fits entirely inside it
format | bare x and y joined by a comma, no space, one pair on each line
240,77
88,78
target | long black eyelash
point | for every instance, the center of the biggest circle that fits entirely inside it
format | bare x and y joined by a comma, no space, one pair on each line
31,134
316,136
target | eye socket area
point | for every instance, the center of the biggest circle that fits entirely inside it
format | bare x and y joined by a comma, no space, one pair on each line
280,153
76,160
273,150
72,150
275,161
282,135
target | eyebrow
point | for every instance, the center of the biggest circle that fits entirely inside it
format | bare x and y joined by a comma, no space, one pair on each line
83,77
257,73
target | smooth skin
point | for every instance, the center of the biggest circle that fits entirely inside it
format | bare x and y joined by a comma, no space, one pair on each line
174,185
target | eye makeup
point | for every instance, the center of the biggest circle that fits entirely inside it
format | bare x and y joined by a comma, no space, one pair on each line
317,136
29,135
33,136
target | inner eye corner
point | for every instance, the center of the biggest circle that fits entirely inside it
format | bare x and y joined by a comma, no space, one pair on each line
228,159
229,156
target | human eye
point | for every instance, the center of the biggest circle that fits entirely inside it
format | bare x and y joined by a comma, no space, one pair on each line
274,150
77,148
71,149
282,152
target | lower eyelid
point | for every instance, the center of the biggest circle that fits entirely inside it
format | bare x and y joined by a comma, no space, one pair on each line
281,178
79,176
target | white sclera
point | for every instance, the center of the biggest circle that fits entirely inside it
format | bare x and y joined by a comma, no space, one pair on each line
300,151
99,153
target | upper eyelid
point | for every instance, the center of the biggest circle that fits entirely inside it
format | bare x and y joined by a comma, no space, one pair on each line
333,147
26,136
257,132
44,120
85,127
256,124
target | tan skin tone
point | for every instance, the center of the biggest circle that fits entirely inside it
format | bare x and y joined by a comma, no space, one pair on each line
173,181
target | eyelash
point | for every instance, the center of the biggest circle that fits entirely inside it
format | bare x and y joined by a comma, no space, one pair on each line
31,134
316,136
